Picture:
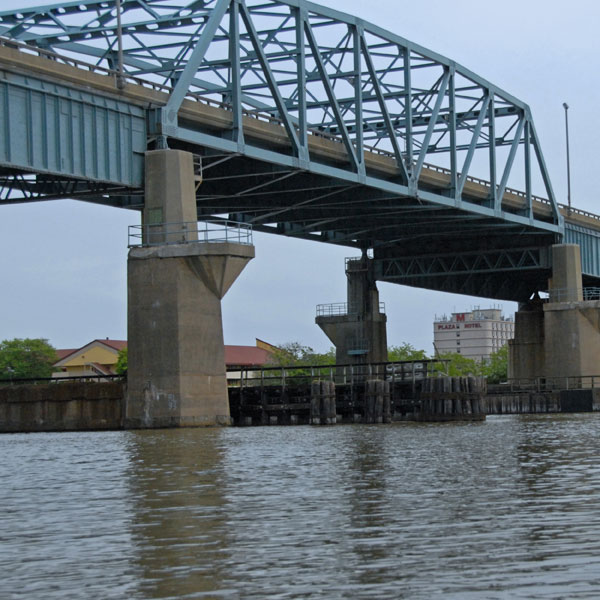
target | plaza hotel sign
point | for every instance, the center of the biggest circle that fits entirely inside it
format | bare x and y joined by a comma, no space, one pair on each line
458,326
460,317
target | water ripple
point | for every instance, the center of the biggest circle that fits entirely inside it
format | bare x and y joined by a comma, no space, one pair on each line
495,510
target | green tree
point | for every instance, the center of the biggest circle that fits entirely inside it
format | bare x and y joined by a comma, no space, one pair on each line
457,365
26,358
405,351
496,367
121,367
296,354
293,356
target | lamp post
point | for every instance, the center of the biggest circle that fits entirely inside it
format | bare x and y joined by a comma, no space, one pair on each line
566,107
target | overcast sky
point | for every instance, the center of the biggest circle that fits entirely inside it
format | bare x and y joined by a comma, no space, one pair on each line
63,264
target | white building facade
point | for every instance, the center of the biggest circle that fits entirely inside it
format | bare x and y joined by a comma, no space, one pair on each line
476,334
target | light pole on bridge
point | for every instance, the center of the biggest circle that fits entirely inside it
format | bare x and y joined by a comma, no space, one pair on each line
566,107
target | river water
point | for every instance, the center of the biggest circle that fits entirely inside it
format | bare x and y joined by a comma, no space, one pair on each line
509,508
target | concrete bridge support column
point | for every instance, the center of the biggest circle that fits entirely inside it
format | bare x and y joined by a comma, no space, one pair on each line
176,371
359,335
526,351
563,340
571,324
566,283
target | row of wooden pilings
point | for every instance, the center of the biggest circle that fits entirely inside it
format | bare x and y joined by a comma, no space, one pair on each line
326,402
376,407
453,398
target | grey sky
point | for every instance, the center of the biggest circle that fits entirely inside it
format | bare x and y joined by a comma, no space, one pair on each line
63,264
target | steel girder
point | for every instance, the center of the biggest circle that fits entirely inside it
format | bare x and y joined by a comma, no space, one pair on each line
510,274
435,265
23,187
408,131
316,72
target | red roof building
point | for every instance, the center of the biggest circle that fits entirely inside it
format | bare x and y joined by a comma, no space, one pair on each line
99,357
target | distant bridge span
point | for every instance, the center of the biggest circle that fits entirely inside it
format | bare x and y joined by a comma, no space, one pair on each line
376,148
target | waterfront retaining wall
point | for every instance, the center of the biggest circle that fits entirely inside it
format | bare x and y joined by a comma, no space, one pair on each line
585,400
64,406
79,406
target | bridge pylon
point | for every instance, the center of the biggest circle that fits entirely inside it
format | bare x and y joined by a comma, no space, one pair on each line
357,328
558,337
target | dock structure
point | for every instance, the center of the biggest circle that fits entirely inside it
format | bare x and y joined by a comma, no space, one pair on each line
371,393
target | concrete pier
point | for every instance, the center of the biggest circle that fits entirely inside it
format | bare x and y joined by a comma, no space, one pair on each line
559,337
176,370
526,349
359,331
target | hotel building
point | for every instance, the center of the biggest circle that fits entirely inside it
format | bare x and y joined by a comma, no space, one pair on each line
476,334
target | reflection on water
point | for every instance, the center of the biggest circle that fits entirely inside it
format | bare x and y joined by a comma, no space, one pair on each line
509,508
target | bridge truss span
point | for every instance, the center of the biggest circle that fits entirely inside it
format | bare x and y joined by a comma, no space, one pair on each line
312,123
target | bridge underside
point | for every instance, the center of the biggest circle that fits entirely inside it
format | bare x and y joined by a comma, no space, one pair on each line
415,242
274,151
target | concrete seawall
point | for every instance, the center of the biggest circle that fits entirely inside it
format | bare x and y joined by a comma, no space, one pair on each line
65,406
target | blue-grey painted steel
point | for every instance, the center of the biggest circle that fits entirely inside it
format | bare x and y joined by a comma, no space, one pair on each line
49,128
589,243
357,83
307,121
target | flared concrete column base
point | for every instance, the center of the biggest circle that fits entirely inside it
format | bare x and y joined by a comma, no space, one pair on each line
176,371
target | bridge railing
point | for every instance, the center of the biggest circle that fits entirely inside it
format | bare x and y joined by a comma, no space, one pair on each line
341,309
211,232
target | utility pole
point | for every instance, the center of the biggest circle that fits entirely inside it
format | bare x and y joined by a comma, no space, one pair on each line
566,107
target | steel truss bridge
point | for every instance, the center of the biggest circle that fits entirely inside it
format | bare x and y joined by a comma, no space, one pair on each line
304,121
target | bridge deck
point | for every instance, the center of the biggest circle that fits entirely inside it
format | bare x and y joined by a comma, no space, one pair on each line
281,195
260,127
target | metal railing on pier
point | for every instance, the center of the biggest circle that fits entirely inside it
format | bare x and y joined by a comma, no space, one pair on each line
403,371
340,309
569,294
211,232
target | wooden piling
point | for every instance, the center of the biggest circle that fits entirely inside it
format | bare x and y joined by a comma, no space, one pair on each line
328,406
378,416
453,399
369,402
322,403
315,403
387,402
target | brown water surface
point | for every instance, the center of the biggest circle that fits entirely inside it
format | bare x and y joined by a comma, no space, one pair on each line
509,508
